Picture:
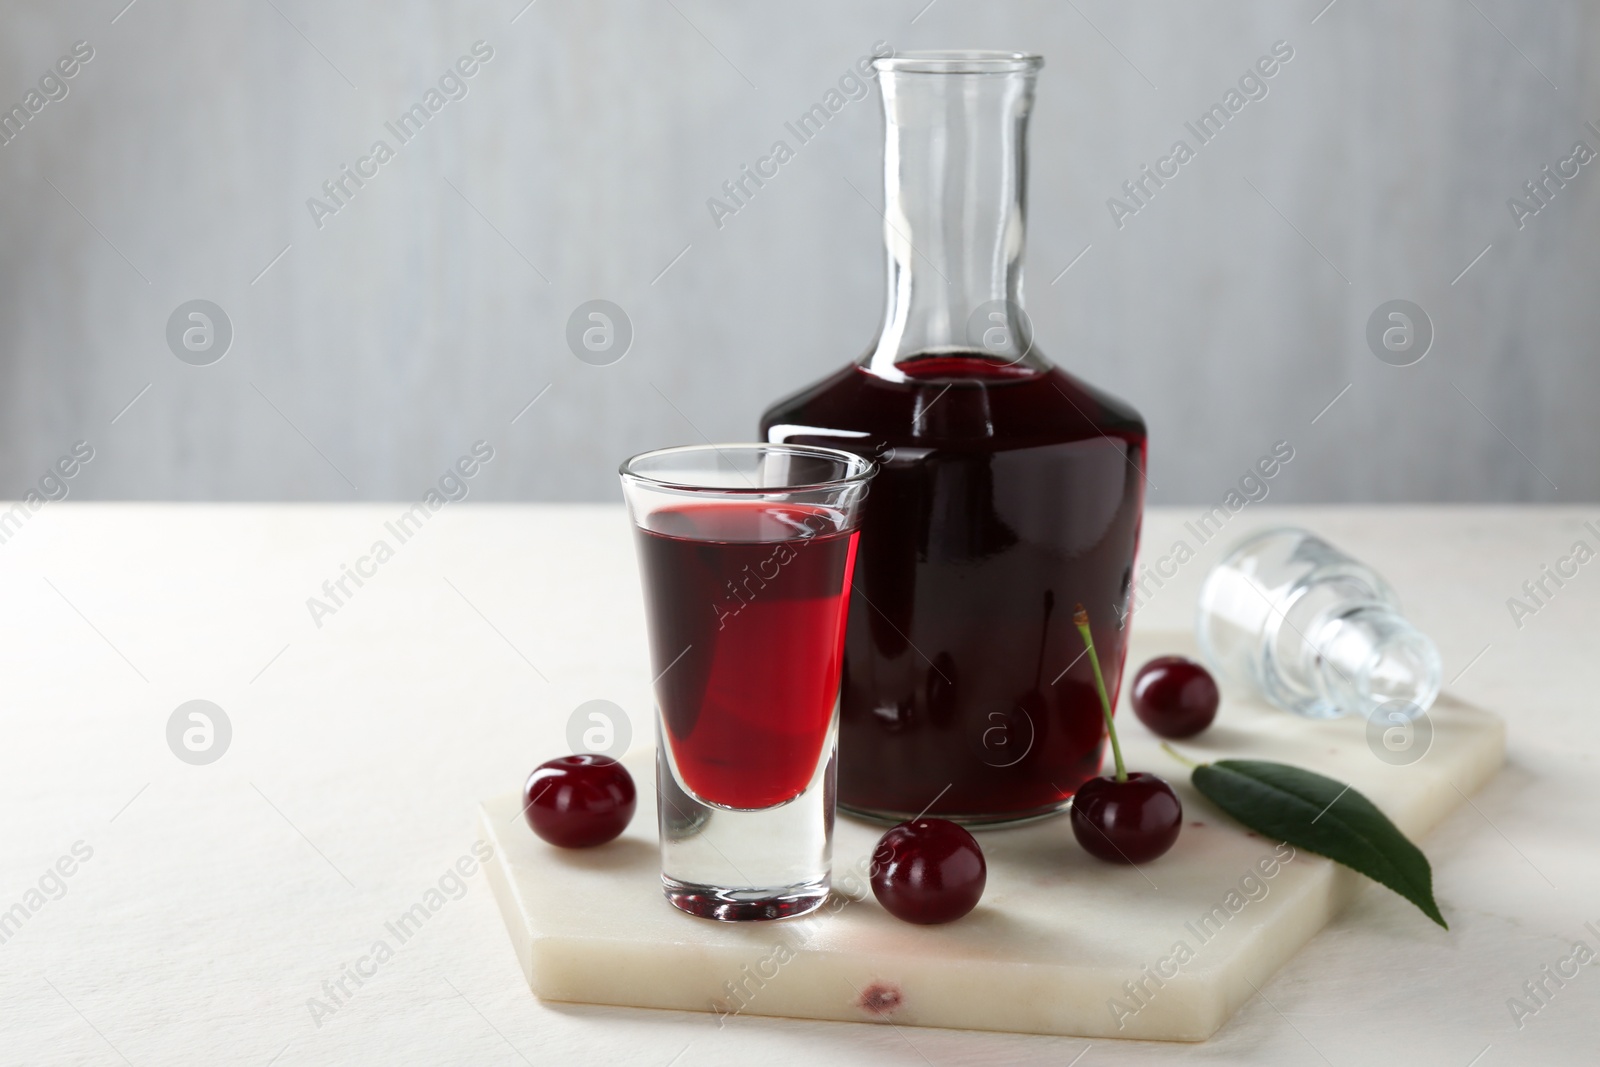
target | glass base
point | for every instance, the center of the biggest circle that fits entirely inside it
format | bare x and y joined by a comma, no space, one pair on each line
744,865
745,905
971,822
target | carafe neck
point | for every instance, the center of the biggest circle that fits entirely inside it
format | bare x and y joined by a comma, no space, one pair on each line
955,192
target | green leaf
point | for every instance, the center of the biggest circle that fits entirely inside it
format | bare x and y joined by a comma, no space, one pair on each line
1321,815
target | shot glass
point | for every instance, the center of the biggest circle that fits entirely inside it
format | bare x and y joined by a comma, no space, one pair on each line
745,555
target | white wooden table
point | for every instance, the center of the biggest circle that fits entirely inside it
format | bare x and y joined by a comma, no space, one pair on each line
217,899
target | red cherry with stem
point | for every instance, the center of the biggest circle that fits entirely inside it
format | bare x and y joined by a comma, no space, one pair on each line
1123,818
928,871
1174,697
1131,821
579,801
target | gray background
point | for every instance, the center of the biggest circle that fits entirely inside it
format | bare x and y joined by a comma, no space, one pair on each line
1231,310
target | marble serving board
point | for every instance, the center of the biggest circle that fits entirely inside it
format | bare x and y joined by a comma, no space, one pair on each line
1060,944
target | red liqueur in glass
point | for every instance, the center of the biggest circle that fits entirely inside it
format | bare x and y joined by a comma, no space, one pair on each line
1007,489
745,555
746,599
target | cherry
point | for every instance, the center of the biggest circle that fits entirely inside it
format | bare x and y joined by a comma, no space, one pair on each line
1125,818
1131,821
1174,697
579,801
928,871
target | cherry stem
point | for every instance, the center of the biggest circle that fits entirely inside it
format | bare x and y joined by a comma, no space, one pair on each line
1080,619
1180,757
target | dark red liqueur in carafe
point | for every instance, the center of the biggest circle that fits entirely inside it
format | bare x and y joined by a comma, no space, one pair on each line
1008,490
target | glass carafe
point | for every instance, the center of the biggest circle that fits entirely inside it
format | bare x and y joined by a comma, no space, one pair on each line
1008,490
